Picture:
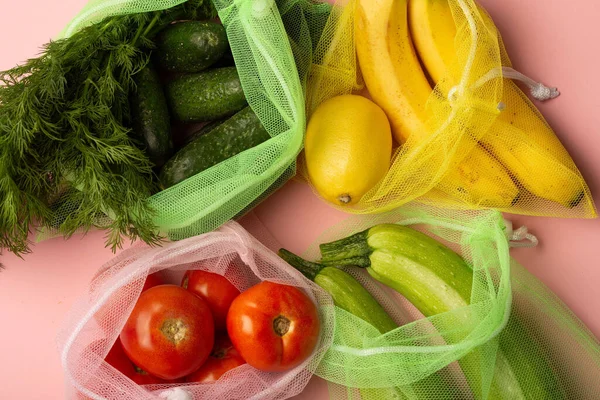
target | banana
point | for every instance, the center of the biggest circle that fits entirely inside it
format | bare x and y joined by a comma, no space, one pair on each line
519,138
397,83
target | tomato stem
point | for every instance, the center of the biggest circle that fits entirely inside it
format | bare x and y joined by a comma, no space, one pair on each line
281,325
174,329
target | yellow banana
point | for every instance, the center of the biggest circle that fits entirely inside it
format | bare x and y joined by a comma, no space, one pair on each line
520,138
397,83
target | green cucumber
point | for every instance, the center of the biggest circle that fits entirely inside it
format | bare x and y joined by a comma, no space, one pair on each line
225,61
347,292
150,116
436,279
239,133
202,131
206,96
190,46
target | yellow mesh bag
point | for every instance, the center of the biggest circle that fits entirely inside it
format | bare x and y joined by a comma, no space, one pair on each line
468,137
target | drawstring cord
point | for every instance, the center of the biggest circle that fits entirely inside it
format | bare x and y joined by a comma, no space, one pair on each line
538,90
520,237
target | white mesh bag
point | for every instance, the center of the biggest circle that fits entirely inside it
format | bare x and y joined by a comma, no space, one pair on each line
98,316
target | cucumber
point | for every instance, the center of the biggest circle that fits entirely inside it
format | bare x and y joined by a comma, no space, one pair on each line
239,133
202,131
436,280
225,61
206,96
190,46
150,116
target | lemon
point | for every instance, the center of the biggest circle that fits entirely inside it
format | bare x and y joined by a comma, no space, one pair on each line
348,148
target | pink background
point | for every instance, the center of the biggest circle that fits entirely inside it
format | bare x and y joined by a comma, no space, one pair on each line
546,40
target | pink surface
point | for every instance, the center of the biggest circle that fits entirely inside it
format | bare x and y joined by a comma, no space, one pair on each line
548,41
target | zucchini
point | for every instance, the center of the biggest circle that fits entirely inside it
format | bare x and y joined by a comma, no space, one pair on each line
150,116
206,96
435,279
239,133
190,46
347,293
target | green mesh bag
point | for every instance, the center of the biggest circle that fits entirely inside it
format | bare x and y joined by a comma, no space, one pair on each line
515,340
272,45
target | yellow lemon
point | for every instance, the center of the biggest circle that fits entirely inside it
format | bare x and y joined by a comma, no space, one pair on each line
348,148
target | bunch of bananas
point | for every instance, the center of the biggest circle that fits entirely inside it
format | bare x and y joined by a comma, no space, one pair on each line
518,155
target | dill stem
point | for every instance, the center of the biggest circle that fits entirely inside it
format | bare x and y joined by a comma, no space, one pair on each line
151,25
145,31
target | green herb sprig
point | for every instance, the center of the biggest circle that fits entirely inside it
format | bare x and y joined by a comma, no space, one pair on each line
67,159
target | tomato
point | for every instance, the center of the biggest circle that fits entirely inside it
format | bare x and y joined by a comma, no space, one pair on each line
215,289
154,279
223,358
169,333
274,327
102,316
141,377
117,358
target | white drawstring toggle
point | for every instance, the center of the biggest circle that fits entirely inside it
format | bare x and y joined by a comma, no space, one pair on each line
542,92
520,237
175,394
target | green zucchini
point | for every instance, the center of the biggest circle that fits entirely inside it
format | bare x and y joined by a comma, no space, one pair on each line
436,280
190,46
349,295
150,116
346,292
205,96
239,133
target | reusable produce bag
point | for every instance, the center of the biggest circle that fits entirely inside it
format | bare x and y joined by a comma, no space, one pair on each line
515,340
470,138
272,64
96,320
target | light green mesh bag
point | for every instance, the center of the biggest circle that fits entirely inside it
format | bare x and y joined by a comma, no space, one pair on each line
272,68
515,340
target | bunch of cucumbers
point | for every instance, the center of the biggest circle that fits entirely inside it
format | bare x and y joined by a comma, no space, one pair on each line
191,84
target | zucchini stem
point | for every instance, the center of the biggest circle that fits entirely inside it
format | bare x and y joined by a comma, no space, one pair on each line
308,269
353,250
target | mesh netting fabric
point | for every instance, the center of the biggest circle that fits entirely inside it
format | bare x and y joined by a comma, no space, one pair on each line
272,67
516,339
98,317
473,139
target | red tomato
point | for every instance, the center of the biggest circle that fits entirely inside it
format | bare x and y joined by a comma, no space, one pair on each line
141,377
102,317
223,358
117,358
216,290
169,333
154,279
274,327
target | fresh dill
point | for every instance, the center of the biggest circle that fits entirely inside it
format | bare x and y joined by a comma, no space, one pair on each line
67,159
